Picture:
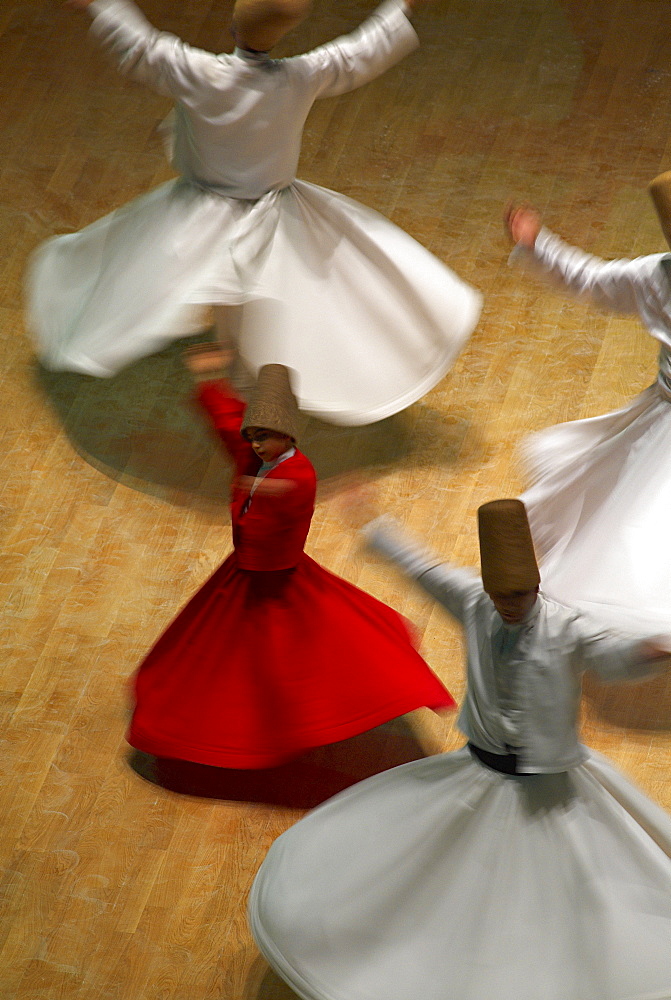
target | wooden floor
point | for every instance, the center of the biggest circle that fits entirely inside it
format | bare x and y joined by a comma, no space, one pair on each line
113,499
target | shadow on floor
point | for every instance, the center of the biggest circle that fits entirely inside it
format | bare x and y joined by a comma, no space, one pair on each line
140,428
300,784
262,983
272,987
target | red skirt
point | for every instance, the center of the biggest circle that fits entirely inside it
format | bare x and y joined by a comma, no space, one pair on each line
260,666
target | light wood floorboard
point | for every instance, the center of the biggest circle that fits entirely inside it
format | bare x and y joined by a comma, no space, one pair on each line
113,496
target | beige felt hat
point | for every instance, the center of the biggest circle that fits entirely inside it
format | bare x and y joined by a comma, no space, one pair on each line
506,549
273,404
260,24
660,192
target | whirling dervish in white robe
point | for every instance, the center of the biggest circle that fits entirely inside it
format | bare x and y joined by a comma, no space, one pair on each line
523,866
600,493
328,287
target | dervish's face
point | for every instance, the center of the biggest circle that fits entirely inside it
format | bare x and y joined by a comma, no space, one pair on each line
515,605
238,36
267,444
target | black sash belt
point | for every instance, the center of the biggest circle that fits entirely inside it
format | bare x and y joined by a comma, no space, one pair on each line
504,763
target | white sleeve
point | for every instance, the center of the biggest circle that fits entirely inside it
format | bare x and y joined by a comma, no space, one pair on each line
614,657
161,60
619,285
356,58
452,587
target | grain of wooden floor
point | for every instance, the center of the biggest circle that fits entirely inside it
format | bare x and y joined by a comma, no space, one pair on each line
113,496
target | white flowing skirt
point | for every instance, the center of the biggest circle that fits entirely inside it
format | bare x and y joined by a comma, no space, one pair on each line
600,513
444,880
369,318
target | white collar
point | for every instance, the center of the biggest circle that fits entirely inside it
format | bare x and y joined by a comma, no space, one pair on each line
267,466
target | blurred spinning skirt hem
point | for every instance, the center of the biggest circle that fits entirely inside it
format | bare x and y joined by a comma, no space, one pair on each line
446,880
599,509
368,316
263,665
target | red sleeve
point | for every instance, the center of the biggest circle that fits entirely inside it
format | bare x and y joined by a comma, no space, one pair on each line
226,411
297,503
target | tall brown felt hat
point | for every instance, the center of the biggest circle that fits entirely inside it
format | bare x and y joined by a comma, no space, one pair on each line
260,24
506,549
660,192
273,404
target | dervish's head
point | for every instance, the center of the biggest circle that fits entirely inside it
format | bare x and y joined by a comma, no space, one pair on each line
272,419
509,570
258,25
660,192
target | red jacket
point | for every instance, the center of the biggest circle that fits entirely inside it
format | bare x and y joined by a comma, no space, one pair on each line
271,533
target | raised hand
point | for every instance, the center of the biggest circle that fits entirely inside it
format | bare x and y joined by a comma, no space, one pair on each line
657,648
359,503
523,224
205,359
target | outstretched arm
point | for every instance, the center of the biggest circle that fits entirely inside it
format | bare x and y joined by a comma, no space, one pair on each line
621,285
523,224
354,59
141,52
618,658
207,364
452,587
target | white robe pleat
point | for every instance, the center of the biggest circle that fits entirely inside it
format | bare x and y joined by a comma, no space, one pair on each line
368,318
444,880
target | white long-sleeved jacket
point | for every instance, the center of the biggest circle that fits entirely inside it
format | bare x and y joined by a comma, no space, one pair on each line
240,117
554,647
641,286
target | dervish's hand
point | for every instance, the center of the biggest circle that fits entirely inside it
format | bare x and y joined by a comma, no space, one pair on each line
359,503
265,487
658,648
206,359
523,224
